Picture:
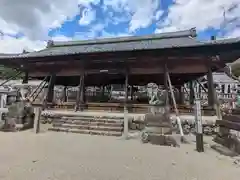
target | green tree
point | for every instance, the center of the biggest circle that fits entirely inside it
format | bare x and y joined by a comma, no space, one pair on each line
6,73
236,69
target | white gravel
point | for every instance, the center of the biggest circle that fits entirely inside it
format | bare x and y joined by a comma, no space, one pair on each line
60,156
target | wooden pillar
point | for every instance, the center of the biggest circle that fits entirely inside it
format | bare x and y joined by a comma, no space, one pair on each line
199,91
50,92
65,94
25,78
37,114
83,95
165,76
180,95
211,89
102,92
80,94
125,133
191,95
131,92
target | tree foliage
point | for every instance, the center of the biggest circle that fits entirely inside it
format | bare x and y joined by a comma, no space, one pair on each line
6,73
236,70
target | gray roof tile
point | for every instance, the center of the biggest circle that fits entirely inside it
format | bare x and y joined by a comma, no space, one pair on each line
156,41
119,46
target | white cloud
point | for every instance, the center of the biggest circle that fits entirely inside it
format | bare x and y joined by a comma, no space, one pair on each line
10,44
86,3
159,14
202,14
167,29
34,18
140,13
88,16
234,33
106,34
61,38
94,32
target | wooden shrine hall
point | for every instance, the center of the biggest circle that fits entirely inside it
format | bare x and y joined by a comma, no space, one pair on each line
126,60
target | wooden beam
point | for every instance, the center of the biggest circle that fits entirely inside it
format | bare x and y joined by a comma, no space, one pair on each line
228,124
175,105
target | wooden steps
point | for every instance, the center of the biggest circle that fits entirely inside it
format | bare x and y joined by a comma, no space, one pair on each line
106,126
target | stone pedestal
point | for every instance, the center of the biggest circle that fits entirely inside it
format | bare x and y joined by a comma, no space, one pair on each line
158,129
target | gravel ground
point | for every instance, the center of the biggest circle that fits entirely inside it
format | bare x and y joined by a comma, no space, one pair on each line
60,156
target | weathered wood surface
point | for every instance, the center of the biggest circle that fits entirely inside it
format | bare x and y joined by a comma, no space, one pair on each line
228,124
135,108
228,132
232,118
37,114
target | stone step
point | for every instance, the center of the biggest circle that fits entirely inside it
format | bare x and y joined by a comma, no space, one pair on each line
93,117
92,123
88,127
89,119
84,131
84,121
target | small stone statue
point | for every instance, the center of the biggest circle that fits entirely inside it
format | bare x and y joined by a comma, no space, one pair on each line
158,100
20,112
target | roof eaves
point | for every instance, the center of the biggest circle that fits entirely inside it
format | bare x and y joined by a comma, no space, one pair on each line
178,34
222,41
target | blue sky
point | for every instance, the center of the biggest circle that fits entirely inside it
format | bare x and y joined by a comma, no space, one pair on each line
102,16
30,25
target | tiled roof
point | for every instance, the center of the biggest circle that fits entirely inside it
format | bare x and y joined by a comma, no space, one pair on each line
3,55
156,41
